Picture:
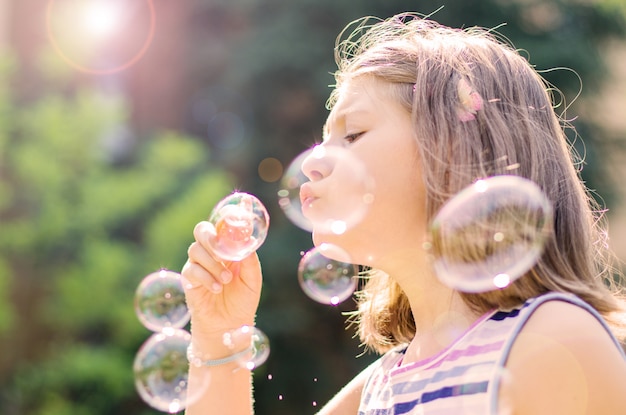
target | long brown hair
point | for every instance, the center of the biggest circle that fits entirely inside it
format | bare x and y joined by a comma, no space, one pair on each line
517,131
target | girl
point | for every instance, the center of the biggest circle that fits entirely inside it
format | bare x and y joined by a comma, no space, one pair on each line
429,110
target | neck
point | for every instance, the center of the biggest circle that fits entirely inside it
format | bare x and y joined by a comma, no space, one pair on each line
440,314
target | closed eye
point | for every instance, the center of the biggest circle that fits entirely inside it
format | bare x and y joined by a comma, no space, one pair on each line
351,138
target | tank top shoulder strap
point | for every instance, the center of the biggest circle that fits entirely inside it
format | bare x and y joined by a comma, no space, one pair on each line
524,313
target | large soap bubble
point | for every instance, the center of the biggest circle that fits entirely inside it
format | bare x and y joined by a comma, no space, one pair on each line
490,234
161,372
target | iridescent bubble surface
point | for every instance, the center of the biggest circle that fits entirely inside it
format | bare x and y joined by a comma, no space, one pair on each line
326,274
490,234
161,372
337,199
250,346
160,301
241,223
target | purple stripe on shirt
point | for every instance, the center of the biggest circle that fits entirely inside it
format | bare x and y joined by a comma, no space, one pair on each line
470,351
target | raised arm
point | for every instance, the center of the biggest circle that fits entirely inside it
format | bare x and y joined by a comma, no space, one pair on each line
221,296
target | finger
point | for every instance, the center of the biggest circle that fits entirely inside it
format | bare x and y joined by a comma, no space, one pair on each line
188,281
198,254
249,270
202,232
196,276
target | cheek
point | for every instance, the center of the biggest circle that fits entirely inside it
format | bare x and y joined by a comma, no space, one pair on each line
349,197
385,204
353,192
394,222
400,200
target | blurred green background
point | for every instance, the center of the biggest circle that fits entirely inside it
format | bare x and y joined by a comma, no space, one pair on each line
115,140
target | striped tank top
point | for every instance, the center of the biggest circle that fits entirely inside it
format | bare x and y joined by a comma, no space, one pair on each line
461,379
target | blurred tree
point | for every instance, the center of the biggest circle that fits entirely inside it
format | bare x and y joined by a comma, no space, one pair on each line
83,220
87,208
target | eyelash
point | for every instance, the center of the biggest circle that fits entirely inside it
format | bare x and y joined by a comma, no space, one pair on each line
351,138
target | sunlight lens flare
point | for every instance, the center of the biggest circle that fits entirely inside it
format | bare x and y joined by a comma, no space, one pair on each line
100,37
101,18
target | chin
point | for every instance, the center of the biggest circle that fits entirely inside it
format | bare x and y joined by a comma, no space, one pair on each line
339,247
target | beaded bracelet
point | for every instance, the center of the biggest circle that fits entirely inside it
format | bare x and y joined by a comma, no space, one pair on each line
197,361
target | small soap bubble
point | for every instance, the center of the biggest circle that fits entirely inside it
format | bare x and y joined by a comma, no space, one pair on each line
249,344
490,234
161,372
160,301
326,274
240,222
337,199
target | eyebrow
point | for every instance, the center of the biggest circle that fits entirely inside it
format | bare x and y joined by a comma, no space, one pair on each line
341,115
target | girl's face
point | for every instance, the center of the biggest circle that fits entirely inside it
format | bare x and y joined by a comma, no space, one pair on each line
375,135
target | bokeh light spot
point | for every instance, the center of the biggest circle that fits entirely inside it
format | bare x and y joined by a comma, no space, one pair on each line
270,169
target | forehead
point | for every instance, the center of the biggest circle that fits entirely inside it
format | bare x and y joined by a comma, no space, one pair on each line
358,96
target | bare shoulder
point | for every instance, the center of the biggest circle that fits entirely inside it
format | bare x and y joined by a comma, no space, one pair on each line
564,362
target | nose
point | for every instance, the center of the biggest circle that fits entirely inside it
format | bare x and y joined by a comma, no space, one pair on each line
317,164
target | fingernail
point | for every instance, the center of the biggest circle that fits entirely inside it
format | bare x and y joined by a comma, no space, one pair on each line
226,276
216,287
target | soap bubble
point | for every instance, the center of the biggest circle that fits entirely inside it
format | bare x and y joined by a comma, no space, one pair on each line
334,202
326,274
160,301
241,222
161,372
250,346
490,234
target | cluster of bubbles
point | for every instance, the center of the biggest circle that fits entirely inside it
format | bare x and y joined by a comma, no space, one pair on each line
325,272
241,222
482,239
161,366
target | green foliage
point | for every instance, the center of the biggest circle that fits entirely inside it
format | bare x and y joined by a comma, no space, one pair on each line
76,379
83,219
80,229
7,316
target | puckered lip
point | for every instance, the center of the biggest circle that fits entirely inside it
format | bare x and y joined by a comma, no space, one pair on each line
307,195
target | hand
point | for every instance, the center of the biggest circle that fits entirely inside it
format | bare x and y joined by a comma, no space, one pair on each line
221,295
